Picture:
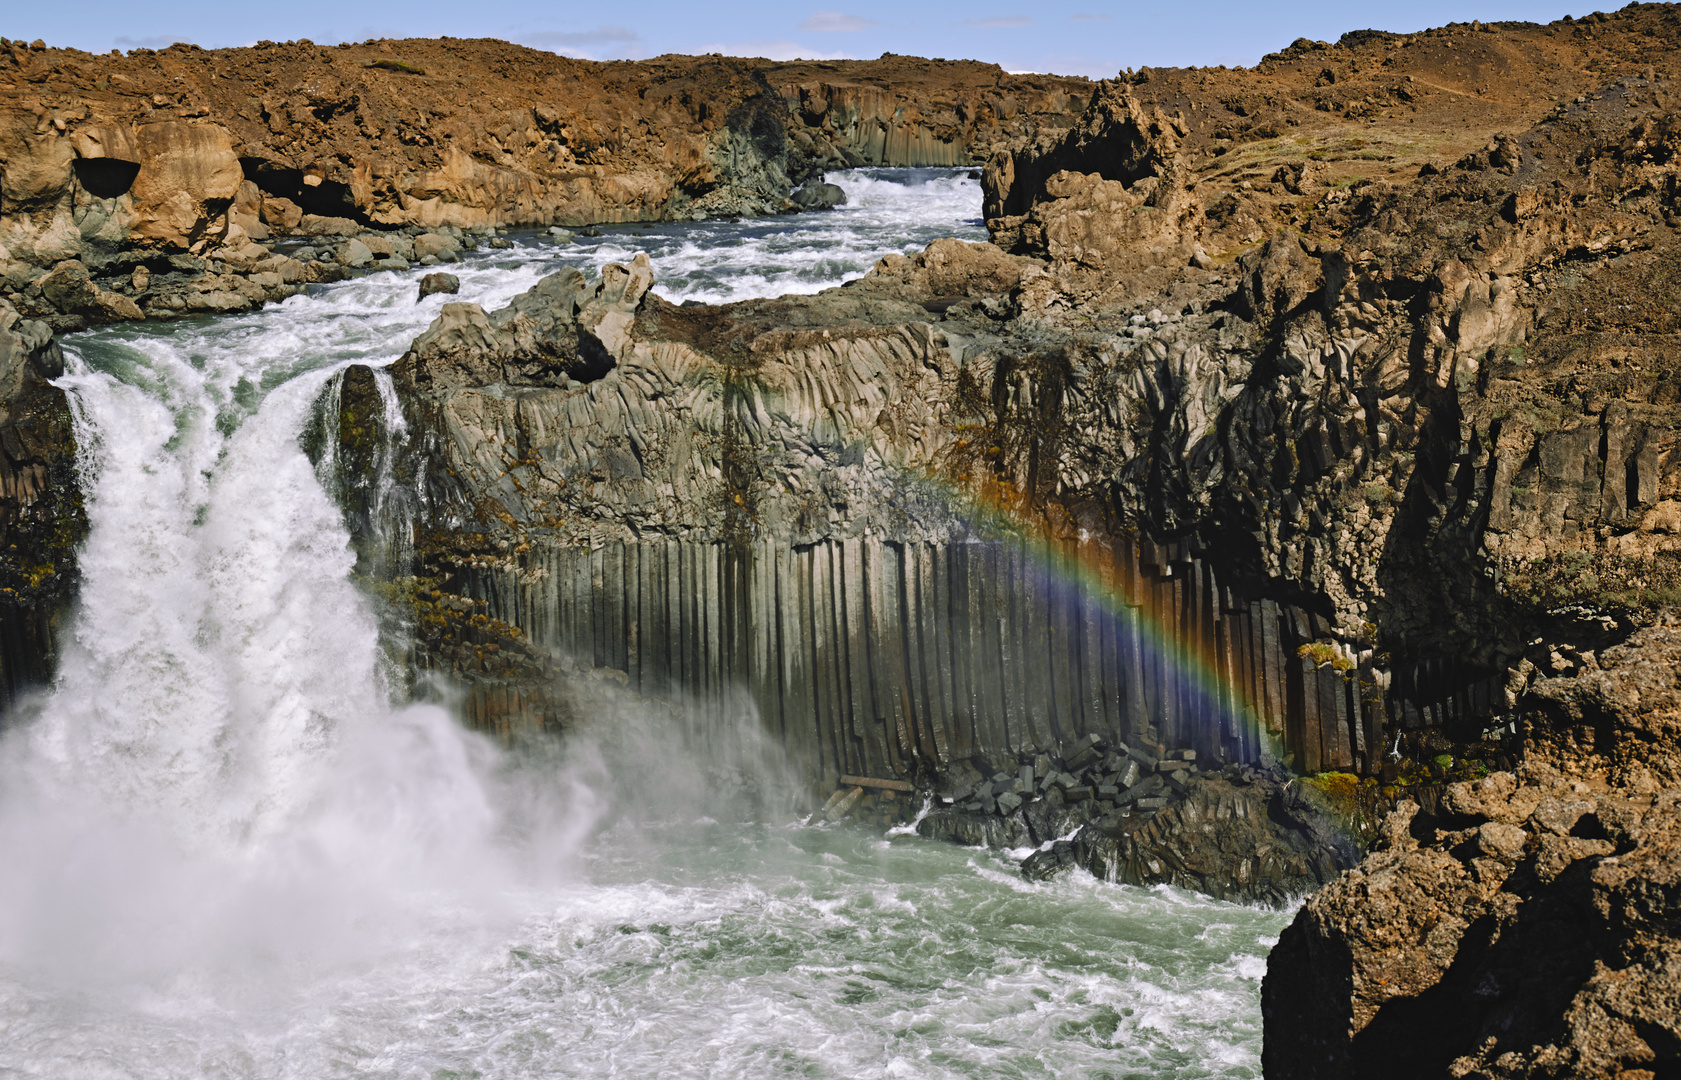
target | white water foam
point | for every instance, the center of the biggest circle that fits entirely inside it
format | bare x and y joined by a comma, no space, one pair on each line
226,853
887,211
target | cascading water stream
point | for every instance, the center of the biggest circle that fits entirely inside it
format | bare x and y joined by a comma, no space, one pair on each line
226,851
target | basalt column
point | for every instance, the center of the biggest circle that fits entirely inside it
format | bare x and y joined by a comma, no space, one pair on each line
871,657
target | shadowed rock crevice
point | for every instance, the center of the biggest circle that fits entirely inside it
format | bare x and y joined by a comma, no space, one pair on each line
106,178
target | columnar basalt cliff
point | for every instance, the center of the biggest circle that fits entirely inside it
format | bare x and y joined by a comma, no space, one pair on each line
145,185
1315,419
1373,449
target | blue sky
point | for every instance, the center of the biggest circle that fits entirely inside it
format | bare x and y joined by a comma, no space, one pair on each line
1081,37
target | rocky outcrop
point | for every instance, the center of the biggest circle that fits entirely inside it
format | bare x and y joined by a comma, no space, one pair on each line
41,518
904,110
1124,816
1368,477
1527,929
1109,203
161,174
1298,451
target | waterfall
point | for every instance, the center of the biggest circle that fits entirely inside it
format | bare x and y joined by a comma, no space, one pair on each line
219,764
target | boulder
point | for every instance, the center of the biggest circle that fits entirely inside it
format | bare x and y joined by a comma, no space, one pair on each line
564,329
246,212
70,289
243,256
281,214
188,175
316,225
436,246
355,255
290,270
439,283
818,196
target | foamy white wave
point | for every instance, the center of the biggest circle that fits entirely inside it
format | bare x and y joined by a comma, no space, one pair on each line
887,211
227,853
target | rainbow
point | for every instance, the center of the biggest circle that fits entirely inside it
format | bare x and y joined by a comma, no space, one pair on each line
1217,696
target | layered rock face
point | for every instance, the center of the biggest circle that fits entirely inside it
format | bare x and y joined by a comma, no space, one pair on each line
155,176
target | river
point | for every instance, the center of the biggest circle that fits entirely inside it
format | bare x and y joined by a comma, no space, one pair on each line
225,851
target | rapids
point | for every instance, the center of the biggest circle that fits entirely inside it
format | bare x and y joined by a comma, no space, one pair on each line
225,852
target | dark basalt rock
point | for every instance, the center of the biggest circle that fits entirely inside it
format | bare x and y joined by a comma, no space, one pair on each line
42,522
1236,833
818,196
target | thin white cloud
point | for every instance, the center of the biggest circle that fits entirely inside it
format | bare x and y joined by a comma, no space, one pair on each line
616,42
162,41
833,22
601,35
1086,16
781,49
1006,22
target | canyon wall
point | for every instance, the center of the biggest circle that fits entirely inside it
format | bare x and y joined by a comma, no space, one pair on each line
1389,440
1340,382
128,180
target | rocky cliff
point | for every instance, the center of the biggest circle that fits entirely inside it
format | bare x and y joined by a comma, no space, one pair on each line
41,517
1310,413
1526,928
143,185
1316,418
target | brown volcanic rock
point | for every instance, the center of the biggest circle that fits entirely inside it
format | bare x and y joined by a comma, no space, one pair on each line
1110,202
468,132
114,161
1209,162
1531,930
